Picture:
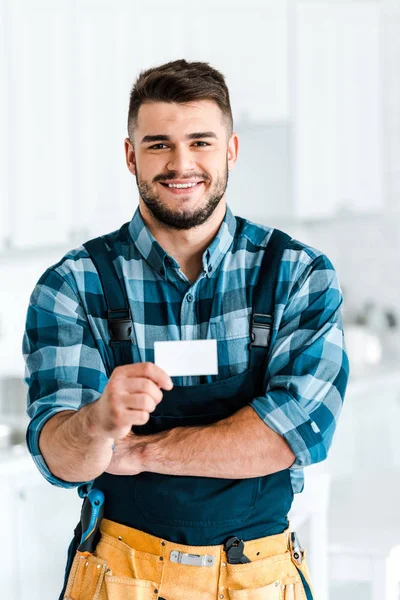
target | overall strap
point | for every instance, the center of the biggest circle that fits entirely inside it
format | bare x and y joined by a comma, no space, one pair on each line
118,312
264,297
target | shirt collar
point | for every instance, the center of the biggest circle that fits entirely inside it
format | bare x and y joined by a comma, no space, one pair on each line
159,260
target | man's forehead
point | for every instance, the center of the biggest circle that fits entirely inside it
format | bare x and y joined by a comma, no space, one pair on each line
167,114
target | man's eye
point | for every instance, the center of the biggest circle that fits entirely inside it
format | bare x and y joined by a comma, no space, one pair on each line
157,146
205,143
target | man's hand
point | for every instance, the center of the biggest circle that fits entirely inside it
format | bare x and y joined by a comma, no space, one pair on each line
131,394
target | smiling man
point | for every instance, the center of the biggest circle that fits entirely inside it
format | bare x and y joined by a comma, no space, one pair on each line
187,481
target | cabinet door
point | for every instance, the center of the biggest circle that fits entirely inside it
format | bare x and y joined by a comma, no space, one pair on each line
39,121
337,108
4,130
45,520
9,584
248,43
391,99
114,42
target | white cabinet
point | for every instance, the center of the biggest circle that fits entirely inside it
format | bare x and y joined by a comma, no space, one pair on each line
37,527
39,122
337,108
391,99
5,203
248,43
106,55
309,67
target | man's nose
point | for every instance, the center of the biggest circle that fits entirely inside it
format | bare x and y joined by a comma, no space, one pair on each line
181,160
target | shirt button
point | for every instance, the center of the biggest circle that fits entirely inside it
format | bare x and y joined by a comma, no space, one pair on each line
189,297
209,268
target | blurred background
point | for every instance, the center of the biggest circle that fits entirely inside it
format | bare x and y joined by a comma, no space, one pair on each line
315,92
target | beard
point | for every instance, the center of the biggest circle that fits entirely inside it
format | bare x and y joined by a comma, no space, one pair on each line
182,219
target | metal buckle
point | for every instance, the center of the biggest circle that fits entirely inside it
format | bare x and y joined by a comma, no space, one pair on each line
260,332
195,560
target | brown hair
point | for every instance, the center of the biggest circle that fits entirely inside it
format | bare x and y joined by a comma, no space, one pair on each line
179,81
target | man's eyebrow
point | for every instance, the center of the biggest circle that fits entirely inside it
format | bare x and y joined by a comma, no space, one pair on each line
160,137
201,134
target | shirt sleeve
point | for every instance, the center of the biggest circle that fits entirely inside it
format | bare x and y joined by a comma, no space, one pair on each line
308,367
64,369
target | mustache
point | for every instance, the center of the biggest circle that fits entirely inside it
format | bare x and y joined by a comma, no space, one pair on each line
174,175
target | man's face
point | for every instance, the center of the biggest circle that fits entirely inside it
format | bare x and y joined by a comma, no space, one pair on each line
179,145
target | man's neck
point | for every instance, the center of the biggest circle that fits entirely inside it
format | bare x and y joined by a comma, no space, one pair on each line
186,246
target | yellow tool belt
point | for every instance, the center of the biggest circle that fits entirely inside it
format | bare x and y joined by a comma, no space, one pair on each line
132,565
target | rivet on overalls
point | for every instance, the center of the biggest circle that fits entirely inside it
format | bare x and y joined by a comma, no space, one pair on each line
120,538
99,566
223,564
162,543
86,564
161,558
221,596
156,591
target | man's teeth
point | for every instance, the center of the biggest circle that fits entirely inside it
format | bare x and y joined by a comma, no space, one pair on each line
182,185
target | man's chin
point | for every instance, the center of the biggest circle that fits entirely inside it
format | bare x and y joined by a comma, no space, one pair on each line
180,218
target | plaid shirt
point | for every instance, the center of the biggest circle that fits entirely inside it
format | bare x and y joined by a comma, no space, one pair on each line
67,350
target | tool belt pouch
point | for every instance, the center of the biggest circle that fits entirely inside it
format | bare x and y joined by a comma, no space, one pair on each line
85,578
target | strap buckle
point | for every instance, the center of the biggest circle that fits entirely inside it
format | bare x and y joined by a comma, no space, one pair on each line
260,330
120,325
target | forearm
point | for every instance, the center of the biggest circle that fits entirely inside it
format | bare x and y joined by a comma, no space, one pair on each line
73,449
238,447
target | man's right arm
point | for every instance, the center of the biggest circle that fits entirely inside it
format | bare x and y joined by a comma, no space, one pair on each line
72,448
77,446
76,411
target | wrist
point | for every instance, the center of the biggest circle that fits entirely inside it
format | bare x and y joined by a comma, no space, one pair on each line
92,426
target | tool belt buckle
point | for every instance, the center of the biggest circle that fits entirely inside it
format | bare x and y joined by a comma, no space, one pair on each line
194,560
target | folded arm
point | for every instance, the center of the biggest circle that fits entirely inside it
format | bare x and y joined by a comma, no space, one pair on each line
292,423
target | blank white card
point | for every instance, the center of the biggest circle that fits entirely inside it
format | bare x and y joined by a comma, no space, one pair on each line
189,357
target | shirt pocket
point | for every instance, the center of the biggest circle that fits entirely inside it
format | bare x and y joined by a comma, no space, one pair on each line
233,342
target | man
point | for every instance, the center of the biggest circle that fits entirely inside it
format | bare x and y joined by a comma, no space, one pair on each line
197,472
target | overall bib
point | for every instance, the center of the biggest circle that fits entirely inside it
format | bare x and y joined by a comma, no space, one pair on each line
186,511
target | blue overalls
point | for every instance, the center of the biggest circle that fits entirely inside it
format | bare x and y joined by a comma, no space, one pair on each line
196,510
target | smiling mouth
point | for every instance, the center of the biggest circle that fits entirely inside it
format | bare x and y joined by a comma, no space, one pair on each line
182,188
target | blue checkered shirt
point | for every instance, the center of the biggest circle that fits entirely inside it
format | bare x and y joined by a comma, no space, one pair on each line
66,349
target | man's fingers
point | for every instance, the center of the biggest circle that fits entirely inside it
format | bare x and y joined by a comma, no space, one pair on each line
150,371
134,385
139,417
139,402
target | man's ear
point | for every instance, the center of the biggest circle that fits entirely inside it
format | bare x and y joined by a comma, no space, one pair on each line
233,150
130,156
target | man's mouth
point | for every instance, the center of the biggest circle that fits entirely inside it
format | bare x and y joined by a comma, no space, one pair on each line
182,187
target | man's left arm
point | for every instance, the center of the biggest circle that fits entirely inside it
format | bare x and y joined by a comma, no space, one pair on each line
292,424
